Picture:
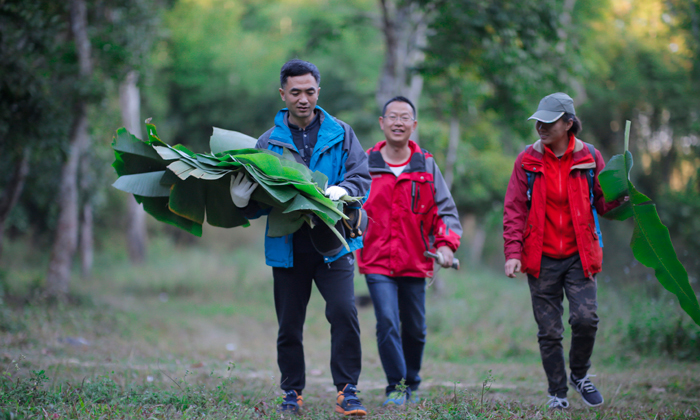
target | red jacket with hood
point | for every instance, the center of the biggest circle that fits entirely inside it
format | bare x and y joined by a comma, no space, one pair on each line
523,230
408,215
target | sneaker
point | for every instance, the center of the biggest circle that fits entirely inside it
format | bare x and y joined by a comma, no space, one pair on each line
292,402
588,391
413,397
395,398
347,402
556,403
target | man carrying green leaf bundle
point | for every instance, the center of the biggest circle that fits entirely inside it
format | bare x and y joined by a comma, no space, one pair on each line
325,144
550,230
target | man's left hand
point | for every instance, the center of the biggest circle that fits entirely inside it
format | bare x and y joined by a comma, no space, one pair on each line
335,192
447,256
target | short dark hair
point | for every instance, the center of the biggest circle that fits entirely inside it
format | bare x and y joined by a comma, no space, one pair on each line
576,126
399,99
298,67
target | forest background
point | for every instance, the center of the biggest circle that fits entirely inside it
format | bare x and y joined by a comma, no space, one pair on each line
72,72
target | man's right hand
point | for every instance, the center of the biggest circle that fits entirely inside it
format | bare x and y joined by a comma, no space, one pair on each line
241,189
512,266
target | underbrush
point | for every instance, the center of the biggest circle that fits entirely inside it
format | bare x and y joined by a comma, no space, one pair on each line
29,396
659,328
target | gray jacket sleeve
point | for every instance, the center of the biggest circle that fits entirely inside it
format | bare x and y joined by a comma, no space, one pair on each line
357,179
448,229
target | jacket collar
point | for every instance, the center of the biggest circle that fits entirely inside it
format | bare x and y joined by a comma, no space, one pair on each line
582,157
415,164
539,147
329,130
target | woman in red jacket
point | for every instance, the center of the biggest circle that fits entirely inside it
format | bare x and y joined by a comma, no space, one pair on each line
551,233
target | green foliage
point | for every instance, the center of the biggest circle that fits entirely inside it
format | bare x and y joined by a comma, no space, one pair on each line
200,183
220,65
501,43
656,329
651,242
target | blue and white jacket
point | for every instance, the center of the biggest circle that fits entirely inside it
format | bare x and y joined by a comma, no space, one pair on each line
337,154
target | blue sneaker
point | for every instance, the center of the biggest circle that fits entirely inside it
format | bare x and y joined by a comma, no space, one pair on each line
348,404
413,397
395,398
292,402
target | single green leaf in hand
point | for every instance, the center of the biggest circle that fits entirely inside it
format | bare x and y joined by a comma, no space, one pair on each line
613,178
651,243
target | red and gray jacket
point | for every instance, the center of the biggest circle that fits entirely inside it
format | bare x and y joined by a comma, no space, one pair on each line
408,215
523,229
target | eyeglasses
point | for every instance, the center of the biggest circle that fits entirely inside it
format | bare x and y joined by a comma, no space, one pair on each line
403,118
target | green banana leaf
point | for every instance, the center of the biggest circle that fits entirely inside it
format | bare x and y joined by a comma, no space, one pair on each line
225,140
651,242
180,187
146,184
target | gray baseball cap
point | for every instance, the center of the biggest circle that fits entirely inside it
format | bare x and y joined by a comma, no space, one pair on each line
552,107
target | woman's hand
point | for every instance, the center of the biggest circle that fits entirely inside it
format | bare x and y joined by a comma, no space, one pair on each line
512,266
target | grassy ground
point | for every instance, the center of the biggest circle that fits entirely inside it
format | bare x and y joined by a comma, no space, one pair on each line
192,334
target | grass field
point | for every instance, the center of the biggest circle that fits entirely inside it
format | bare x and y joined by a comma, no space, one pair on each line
191,334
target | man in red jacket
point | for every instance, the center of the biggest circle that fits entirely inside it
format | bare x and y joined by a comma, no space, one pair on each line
411,211
550,229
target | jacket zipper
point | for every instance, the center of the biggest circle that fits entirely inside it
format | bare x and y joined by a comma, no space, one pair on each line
413,195
422,236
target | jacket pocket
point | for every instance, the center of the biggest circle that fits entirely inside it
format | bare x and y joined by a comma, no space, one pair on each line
422,196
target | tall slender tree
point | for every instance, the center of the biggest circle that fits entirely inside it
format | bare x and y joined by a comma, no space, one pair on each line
130,104
65,243
404,25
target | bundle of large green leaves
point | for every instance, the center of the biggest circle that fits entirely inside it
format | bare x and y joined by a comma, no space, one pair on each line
179,187
651,242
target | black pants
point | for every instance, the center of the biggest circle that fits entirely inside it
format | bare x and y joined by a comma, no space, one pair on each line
292,293
556,278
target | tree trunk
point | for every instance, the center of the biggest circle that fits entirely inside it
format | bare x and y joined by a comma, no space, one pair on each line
477,243
86,242
9,197
452,145
129,99
404,26
86,238
65,242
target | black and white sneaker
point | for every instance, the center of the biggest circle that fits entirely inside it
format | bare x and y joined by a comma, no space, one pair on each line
556,403
584,386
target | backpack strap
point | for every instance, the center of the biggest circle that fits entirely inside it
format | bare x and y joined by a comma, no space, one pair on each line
590,175
530,183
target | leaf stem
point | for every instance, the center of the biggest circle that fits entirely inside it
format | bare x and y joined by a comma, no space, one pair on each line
627,135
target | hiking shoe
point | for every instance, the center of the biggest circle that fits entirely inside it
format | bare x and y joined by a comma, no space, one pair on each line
413,397
292,402
588,391
395,398
556,403
347,402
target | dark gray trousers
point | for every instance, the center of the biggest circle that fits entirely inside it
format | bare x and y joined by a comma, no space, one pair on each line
547,291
